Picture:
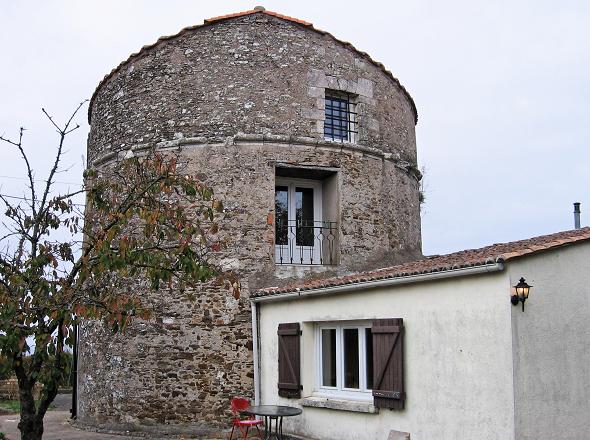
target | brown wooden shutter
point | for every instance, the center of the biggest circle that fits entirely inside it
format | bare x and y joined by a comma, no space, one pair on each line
388,363
289,360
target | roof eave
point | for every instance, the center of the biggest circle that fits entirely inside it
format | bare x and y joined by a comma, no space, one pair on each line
373,284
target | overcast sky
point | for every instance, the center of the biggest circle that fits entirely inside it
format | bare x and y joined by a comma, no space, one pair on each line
502,90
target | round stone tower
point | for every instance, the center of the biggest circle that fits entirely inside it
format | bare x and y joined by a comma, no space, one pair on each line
309,143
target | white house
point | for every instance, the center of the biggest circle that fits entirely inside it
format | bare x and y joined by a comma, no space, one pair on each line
466,363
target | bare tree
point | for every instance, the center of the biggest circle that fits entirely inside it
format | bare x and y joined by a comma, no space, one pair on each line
60,264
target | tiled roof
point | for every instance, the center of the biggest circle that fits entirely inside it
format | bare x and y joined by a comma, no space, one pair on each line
215,20
254,11
495,253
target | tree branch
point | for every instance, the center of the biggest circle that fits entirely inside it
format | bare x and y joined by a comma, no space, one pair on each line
19,145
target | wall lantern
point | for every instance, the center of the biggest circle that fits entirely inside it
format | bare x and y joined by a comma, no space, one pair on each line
521,293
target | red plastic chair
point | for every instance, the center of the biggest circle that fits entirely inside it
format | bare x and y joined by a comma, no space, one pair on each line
239,404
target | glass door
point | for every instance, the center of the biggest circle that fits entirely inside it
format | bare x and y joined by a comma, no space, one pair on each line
297,221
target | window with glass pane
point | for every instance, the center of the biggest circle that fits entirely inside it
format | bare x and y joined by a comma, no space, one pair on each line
304,216
345,360
340,119
336,122
281,214
351,357
329,357
299,231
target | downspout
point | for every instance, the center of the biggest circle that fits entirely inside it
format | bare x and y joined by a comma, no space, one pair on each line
255,331
74,408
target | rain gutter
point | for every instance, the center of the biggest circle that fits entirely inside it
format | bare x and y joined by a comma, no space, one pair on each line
408,279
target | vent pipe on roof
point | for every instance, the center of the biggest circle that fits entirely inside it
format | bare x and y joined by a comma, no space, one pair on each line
577,215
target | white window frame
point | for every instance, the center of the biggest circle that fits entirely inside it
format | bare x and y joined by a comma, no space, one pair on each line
339,391
291,184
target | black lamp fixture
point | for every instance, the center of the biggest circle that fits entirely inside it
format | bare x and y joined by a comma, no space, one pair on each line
521,293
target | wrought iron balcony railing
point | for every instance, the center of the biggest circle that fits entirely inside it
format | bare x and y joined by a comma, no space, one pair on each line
305,242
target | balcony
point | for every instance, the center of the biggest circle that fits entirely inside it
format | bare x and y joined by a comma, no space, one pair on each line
306,242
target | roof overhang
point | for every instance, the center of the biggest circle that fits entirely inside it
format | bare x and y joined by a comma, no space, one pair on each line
373,284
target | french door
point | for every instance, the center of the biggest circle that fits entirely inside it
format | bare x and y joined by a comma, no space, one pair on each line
298,221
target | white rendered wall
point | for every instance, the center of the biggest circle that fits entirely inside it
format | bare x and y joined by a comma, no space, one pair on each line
458,360
552,346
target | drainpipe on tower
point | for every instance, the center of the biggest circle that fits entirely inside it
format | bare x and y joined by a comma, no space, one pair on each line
74,408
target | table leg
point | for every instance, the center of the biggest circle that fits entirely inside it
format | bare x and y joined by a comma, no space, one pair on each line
266,428
269,433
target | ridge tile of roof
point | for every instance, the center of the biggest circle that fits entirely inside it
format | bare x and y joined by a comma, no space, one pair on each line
256,11
495,253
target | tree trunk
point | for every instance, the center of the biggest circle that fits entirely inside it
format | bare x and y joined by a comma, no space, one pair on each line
30,426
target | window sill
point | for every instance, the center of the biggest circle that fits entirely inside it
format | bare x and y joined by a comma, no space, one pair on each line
340,142
339,404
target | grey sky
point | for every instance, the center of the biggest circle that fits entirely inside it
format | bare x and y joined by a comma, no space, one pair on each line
502,90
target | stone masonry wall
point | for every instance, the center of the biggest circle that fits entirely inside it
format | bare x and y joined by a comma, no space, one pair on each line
254,74
238,99
9,389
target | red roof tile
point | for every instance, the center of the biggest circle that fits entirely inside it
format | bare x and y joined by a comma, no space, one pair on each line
220,18
254,11
438,263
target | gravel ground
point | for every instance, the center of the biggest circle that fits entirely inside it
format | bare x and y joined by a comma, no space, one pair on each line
62,402
58,427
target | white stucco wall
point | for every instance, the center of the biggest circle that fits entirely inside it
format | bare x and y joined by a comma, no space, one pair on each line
458,359
552,346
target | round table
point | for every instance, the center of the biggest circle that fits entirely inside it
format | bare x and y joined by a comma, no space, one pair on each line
270,413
